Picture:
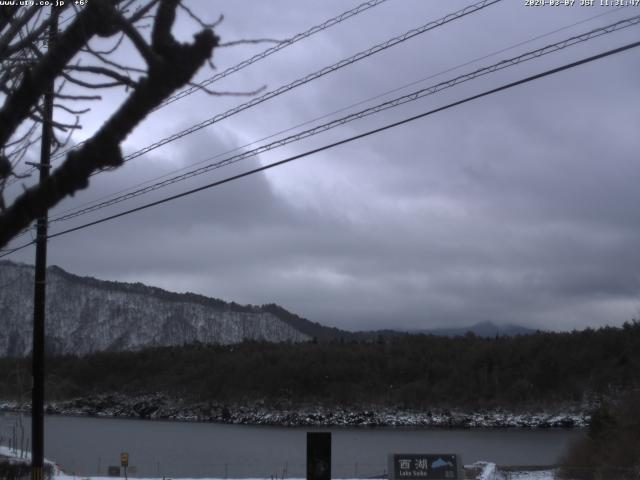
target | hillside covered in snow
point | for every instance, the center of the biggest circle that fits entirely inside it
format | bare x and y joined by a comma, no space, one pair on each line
86,315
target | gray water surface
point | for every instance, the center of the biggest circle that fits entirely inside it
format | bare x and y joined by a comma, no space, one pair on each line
87,446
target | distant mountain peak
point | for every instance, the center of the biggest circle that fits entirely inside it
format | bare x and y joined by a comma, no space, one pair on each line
485,323
85,315
485,328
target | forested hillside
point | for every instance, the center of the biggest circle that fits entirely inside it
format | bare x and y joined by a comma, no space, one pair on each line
417,371
85,315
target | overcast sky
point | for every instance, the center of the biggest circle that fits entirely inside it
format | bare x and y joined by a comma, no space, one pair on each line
520,207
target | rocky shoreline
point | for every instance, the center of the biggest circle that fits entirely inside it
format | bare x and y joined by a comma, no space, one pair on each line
162,407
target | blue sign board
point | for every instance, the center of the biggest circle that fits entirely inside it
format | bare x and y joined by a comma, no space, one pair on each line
416,466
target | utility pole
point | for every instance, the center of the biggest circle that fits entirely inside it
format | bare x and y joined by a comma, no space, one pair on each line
37,392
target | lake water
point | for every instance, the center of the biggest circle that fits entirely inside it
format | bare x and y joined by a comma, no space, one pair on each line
175,449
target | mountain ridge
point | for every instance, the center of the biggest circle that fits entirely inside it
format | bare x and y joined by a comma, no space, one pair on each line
121,315
85,314
137,287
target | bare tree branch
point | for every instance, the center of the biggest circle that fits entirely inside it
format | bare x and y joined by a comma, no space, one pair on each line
17,106
199,21
6,15
59,144
82,83
70,110
101,56
217,93
77,97
13,31
141,12
24,42
22,138
161,39
173,65
121,79
38,117
249,42
109,51
141,45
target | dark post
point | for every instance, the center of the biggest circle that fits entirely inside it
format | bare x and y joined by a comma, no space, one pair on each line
318,456
37,393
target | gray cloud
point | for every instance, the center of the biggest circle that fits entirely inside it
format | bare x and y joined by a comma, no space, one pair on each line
520,207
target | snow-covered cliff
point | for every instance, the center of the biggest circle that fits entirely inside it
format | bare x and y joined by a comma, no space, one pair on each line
86,315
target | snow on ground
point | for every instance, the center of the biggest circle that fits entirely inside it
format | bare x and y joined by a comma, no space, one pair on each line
78,477
540,475
487,471
19,456
14,455
161,407
496,475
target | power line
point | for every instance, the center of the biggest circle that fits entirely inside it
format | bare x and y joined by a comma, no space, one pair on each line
9,251
344,141
264,54
361,102
361,114
269,51
301,81
313,76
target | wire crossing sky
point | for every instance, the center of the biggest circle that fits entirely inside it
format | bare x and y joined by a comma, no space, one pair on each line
517,207
245,63
345,62
342,142
362,113
276,48
135,188
303,80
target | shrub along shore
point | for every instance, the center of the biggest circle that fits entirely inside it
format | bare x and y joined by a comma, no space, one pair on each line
163,407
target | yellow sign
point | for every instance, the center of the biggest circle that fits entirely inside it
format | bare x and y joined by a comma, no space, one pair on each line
124,459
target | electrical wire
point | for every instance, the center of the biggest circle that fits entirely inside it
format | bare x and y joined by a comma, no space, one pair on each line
269,51
392,103
335,112
363,113
260,56
342,142
313,76
308,78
